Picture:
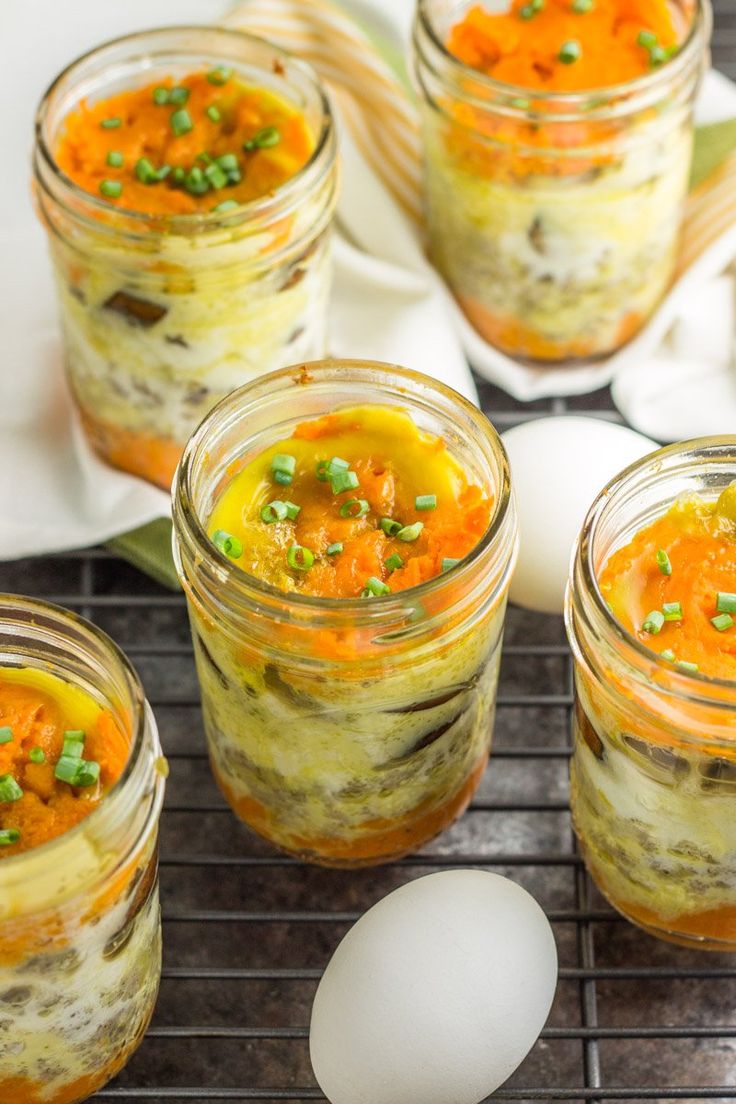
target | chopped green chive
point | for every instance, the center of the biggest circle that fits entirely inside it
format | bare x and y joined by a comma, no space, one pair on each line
274,511
220,75
112,123
684,665
647,39
283,467
227,543
580,7
226,205
723,622
88,773
37,755
9,836
393,563
425,502
163,172
326,469
342,481
215,175
179,175
333,549
76,771
653,622
672,611
355,508
145,171
668,654
410,532
299,558
570,52
449,563
374,588
178,95
6,734
229,162
390,527
181,122
72,749
265,138
160,96
292,510
66,769
9,788
111,188
115,159
663,562
195,181
725,602
213,114
530,10
75,734
657,55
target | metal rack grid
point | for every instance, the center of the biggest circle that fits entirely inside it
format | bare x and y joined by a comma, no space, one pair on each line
247,932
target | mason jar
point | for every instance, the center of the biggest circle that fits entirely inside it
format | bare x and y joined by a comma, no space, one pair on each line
555,217
163,315
654,762
80,929
343,731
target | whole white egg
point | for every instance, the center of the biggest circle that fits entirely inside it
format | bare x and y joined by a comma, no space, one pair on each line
436,994
558,467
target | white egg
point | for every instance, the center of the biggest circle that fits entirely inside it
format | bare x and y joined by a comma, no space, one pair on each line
558,466
436,995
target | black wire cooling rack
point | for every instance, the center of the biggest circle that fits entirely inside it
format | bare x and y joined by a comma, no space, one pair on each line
247,932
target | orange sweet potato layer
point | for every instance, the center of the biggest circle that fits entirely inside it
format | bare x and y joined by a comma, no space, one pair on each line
379,841
151,458
526,51
48,807
702,553
145,131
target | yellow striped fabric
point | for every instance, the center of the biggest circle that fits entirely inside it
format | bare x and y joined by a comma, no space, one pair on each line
383,121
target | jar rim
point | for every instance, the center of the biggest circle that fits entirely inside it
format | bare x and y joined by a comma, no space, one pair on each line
205,220
584,557
408,384
39,607
699,31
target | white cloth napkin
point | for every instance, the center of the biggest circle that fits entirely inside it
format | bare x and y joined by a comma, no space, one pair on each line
54,492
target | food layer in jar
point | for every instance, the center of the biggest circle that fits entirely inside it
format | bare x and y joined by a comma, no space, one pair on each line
557,225
156,333
78,981
654,801
351,748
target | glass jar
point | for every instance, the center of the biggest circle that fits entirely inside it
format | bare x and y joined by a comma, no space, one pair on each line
346,732
654,761
80,929
164,315
554,217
